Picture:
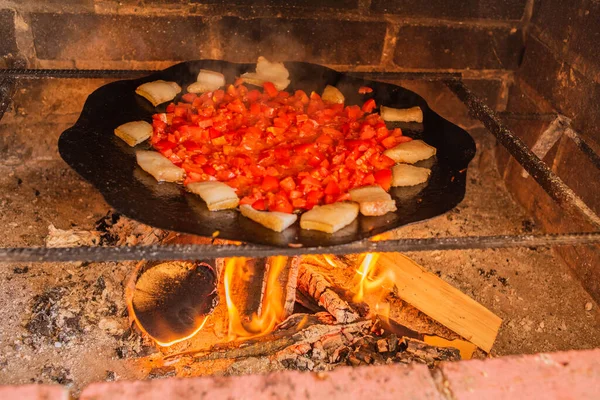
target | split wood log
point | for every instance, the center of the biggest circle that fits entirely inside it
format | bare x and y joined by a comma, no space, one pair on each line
441,301
307,302
317,286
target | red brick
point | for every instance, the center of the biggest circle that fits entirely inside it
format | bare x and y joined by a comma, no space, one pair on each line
96,37
8,44
34,392
485,9
564,375
324,41
457,46
382,382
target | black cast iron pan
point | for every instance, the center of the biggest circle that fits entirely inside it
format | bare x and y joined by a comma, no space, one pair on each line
91,148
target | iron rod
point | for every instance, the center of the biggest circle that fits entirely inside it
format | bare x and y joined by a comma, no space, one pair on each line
124,73
196,252
75,73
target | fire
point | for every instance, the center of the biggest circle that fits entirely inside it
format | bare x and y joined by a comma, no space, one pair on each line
372,280
271,311
329,260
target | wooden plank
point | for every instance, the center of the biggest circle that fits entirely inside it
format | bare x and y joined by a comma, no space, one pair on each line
442,302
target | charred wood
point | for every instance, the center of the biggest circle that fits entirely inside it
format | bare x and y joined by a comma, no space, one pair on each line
315,285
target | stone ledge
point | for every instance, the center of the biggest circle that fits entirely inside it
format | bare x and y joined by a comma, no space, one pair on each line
34,392
382,382
562,375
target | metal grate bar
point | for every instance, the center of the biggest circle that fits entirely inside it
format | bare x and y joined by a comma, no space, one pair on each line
548,180
76,73
199,252
125,73
415,75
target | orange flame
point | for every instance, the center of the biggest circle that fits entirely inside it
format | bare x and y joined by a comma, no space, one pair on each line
271,309
329,259
372,280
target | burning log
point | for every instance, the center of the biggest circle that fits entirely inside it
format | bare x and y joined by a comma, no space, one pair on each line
261,348
288,280
318,287
313,338
298,329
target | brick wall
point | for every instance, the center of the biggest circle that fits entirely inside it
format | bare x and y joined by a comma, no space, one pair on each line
561,72
367,34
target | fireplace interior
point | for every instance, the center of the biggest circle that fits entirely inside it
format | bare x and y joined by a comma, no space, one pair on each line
512,72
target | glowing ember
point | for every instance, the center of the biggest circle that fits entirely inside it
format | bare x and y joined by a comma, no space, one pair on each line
271,312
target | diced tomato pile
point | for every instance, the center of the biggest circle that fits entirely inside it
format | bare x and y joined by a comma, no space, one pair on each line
280,151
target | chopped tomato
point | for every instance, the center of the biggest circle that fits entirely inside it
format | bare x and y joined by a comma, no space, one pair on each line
281,204
403,139
367,132
368,180
368,106
389,142
288,184
270,89
383,178
279,151
364,90
210,170
219,141
259,205
314,196
332,188
381,161
299,203
189,97
237,106
270,183
164,145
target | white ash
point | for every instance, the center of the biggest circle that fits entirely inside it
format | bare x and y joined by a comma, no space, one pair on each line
111,230
71,237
